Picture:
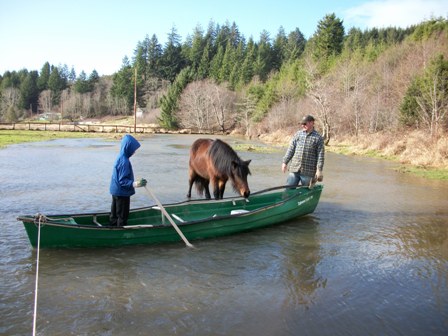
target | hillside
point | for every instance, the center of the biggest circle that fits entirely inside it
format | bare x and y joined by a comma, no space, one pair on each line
360,102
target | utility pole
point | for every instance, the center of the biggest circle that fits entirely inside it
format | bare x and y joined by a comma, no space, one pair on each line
135,100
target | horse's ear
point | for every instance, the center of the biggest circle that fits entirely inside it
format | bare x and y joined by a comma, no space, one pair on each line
247,162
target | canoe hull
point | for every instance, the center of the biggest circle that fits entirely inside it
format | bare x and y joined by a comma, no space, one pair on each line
204,219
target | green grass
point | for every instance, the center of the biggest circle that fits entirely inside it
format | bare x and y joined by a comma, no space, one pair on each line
10,137
429,173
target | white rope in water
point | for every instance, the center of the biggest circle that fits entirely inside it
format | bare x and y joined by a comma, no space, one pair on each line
37,277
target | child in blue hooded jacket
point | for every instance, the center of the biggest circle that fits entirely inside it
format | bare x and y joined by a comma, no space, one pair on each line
122,183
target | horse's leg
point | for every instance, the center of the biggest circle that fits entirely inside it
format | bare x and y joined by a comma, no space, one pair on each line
207,189
191,179
222,187
215,183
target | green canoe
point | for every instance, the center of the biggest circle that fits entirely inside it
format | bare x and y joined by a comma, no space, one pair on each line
198,219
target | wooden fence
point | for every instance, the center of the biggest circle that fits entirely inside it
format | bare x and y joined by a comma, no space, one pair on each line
76,127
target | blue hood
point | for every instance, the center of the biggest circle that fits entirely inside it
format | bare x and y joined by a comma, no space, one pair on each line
129,145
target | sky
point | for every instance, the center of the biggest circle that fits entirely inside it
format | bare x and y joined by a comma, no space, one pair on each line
96,35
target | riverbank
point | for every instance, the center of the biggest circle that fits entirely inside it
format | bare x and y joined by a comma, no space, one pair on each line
415,151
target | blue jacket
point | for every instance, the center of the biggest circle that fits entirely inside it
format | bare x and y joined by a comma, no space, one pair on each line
122,174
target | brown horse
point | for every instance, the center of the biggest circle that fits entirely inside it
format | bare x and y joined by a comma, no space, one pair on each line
216,162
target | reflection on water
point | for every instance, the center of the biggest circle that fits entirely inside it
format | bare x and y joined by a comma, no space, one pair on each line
372,259
302,255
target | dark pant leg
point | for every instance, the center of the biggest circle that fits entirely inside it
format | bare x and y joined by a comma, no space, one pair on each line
123,204
113,212
119,211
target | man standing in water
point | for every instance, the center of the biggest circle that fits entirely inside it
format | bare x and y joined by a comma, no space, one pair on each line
122,183
306,153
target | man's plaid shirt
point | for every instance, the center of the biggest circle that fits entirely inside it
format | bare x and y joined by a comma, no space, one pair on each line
306,153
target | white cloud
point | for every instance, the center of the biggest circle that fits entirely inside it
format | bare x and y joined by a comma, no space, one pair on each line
394,13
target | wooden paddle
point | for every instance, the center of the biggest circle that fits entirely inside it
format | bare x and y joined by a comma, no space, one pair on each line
167,215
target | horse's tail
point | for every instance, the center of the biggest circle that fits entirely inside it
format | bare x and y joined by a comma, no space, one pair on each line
199,184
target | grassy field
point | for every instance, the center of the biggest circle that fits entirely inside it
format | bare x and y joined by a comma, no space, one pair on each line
10,137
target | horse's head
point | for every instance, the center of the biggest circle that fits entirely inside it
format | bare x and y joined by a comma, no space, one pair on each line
240,170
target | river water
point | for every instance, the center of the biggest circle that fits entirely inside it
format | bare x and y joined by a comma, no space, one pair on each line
371,260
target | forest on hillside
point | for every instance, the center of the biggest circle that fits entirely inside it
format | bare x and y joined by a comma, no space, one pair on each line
357,82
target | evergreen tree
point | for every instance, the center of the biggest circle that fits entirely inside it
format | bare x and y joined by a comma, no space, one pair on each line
154,57
239,57
216,64
94,77
228,61
196,50
224,35
140,70
64,73
409,107
295,45
186,49
29,93
10,80
279,49
172,60
82,84
263,63
354,40
210,38
266,95
56,84
247,68
169,102
204,66
329,37
44,76
235,36
140,62
426,29
123,84
72,76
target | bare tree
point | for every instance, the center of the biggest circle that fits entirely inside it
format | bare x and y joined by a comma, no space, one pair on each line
223,105
8,104
356,98
207,106
193,107
45,101
433,101
246,111
283,114
320,94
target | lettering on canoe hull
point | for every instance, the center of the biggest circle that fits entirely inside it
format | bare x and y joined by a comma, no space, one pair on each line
305,200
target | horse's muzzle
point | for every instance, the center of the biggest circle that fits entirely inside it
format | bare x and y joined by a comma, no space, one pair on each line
246,194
